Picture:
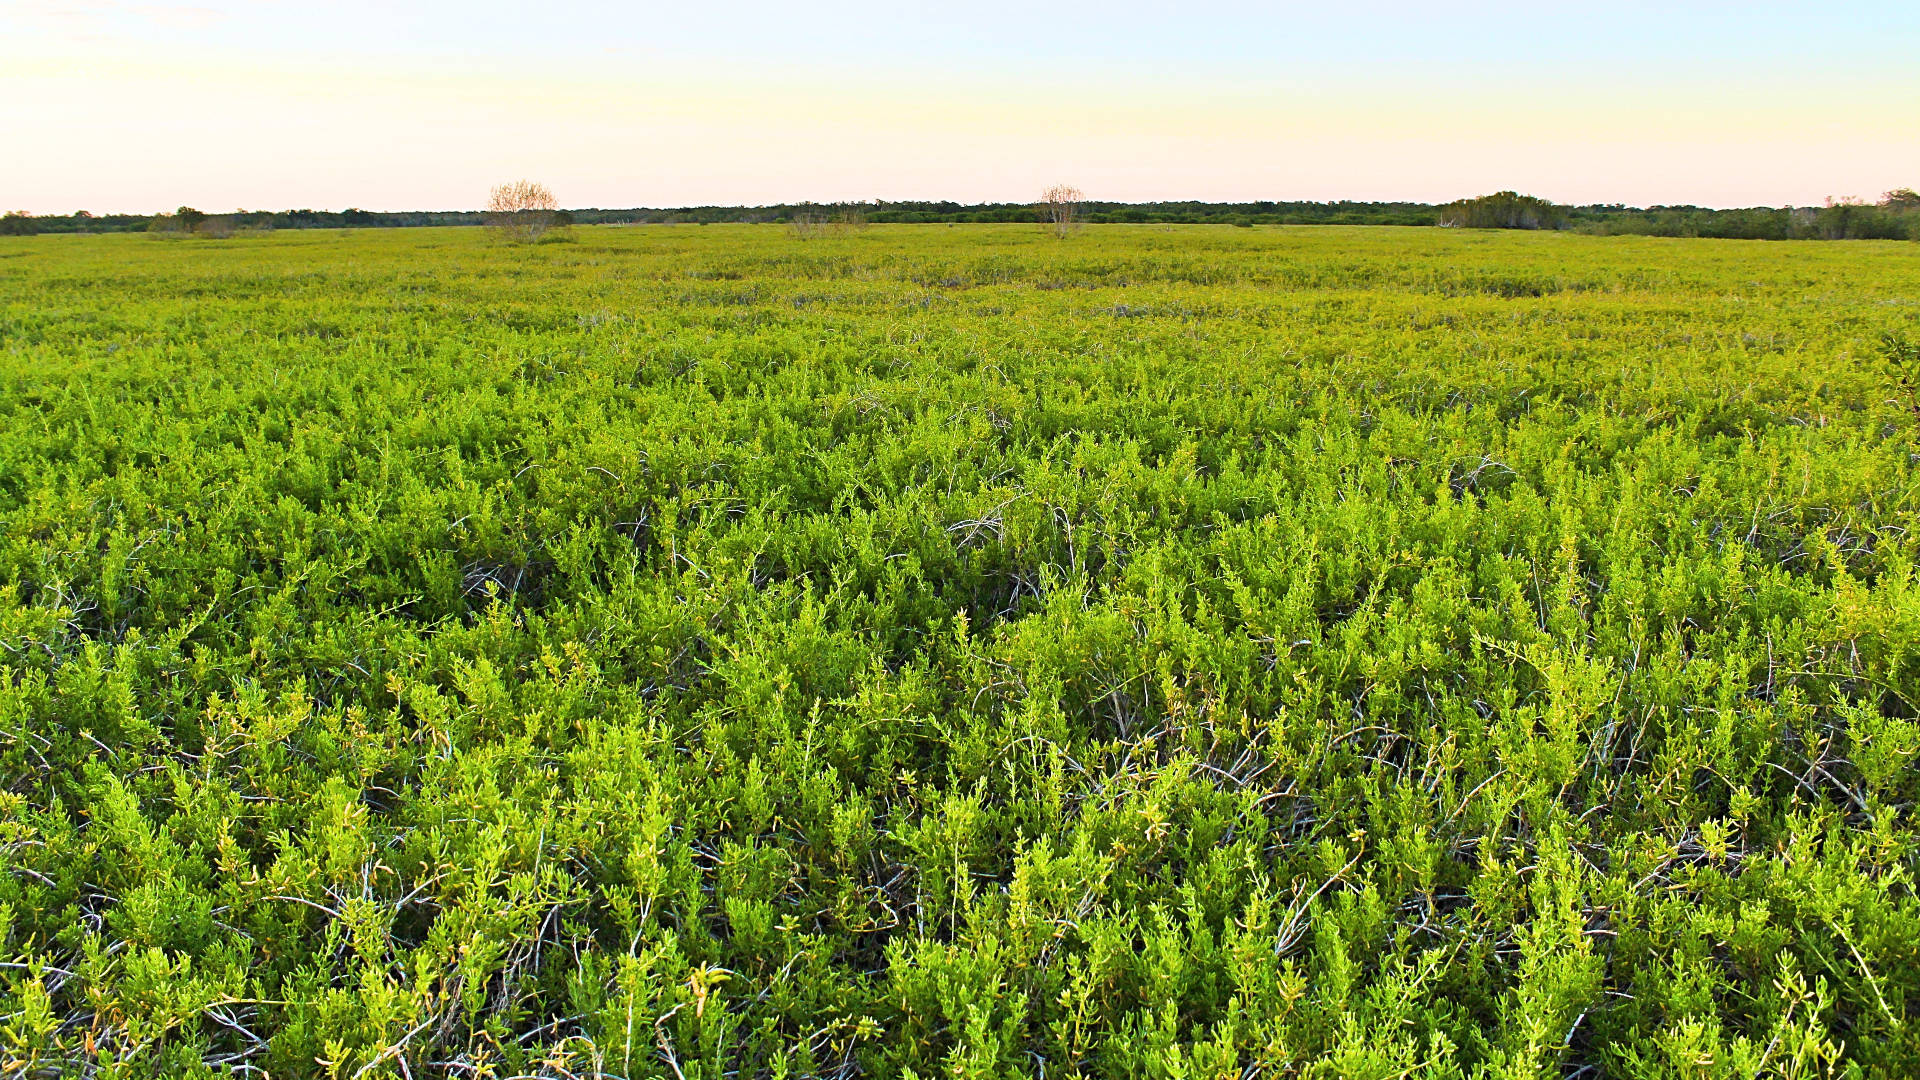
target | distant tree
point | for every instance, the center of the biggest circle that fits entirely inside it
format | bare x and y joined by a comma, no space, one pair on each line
1901,199
806,221
1503,210
18,223
1060,208
850,218
1851,218
522,210
809,220
190,219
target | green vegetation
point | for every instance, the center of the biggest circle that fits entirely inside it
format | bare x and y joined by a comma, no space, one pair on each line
889,213
914,651
1503,210
1895,217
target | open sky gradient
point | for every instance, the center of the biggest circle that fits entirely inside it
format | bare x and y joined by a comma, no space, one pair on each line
277,104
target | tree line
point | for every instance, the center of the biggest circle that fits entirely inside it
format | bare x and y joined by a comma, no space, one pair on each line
1895,216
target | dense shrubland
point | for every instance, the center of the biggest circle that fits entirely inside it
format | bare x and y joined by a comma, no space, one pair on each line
802,214
694,653
1895,217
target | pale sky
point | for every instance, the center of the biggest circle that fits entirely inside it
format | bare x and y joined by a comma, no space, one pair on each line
277,104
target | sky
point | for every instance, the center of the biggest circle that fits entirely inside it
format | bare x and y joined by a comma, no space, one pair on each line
136,107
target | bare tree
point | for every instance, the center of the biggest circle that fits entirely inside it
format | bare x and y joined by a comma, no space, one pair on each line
807,223
850,217
1060,208
522,210
810,220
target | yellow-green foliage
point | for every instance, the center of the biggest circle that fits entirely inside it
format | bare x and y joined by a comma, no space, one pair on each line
934,651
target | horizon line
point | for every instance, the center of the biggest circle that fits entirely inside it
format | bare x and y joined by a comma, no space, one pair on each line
959,204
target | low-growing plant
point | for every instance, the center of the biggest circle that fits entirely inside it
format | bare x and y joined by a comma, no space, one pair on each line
1287,653
1903,364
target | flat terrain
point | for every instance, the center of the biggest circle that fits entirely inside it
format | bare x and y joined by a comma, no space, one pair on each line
951,651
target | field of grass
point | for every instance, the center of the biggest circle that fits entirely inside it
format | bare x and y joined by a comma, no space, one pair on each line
949,651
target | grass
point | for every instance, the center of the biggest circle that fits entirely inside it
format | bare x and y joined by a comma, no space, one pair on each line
948,651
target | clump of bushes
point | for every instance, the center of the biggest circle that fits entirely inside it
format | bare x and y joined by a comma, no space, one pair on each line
186,221
526,212
1503,210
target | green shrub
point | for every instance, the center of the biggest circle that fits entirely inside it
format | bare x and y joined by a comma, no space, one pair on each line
688,653
1503,210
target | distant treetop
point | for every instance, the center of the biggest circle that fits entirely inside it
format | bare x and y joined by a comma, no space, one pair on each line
1895,216
1503,210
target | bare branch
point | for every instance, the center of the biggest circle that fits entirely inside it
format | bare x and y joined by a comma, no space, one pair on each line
522,210
1060,208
